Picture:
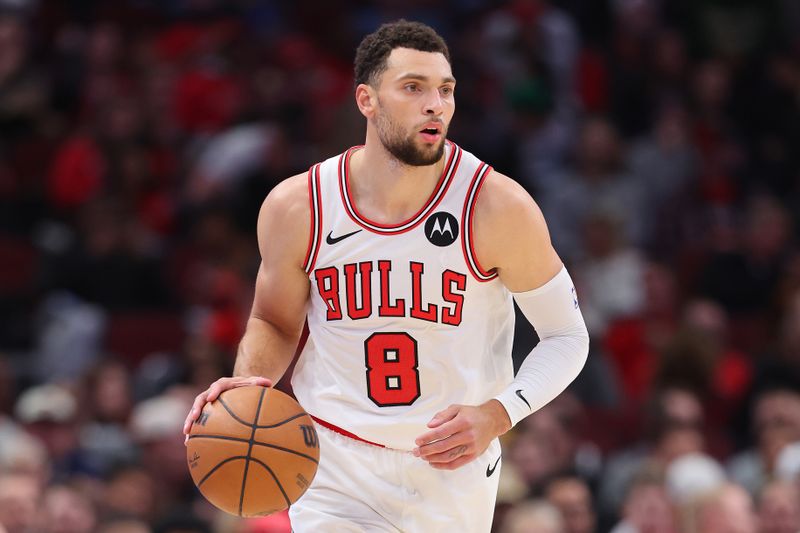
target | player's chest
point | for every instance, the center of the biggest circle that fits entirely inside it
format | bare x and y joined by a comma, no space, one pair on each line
391,281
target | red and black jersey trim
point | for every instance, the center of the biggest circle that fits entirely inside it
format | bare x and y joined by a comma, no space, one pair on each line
315,235
442,185
467,240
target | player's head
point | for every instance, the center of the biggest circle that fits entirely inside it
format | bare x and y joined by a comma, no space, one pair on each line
404,85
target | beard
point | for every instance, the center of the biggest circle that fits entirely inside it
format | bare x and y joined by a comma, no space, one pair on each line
403,147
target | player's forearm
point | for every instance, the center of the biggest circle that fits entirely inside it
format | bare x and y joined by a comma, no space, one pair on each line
265,350
561,353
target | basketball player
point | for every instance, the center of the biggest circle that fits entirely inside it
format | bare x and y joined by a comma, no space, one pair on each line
404,255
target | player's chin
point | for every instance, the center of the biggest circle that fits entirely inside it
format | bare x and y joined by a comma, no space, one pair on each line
430,143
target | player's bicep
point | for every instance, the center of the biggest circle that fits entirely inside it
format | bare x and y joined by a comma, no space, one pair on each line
281,289
280,297
511,236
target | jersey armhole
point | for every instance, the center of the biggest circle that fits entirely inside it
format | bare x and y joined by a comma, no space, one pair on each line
315,231
467,240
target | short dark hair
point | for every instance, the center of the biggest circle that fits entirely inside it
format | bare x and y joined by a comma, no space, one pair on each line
375,48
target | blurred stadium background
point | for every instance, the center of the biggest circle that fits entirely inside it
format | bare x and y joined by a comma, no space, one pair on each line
660,137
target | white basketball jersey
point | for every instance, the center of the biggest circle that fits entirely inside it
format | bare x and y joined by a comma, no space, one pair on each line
402,319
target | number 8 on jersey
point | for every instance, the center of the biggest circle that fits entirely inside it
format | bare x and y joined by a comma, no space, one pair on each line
392,375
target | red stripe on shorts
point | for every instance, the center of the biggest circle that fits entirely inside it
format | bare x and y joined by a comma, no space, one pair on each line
344,432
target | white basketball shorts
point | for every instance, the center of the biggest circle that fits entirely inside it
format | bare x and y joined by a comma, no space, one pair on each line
364,488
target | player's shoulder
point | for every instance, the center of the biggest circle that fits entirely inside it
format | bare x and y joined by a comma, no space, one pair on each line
285,213
287,202
502,200
289,195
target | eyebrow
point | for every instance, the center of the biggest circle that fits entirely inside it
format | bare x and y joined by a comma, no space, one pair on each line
422,77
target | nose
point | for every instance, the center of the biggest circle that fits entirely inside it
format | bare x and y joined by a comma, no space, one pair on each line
433,104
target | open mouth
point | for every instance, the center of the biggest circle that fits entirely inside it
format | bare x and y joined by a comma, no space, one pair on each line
431,133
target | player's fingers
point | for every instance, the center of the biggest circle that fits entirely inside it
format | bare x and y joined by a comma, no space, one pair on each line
442,447
443,416
449,456
452,465
194,412
217,388
457,446
223,384
442,432
260,381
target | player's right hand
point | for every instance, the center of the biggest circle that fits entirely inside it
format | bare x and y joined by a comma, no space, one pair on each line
217,388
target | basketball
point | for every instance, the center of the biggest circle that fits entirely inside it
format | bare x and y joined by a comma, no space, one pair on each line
253,451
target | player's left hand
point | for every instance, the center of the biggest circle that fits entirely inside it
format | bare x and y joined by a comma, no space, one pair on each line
461,433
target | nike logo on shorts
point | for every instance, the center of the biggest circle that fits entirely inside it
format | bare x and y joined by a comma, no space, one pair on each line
518,392
490,469
330,239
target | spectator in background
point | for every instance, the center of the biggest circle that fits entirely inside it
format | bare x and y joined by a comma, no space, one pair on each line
549,443
50,413
611,274
65,509
114,264
776,424
729,509
664,164
673,427
24,90
700,357
66,320
745,279
103,438
600,182
20,496
131,492
572,497
781,358
779,508
689,479
632,98
123,526
647,508
156,428
533,515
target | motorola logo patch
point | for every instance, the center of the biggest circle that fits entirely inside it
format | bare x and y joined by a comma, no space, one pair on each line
441,229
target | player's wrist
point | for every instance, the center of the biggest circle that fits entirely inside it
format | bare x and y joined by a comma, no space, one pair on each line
498,415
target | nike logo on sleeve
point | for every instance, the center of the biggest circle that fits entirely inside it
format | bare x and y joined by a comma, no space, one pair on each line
518,392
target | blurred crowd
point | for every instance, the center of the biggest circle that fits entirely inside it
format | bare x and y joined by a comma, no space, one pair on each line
661,139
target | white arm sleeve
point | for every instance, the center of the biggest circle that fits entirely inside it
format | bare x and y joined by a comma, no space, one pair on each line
556,361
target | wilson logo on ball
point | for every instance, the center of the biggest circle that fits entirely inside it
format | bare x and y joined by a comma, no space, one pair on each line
310,436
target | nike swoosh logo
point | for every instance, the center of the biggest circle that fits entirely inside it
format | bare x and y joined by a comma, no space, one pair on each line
330,239
490,469
518,392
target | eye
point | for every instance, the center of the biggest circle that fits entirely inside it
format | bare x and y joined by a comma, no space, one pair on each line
447,91
411,87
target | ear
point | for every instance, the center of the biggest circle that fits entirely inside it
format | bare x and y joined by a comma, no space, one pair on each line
366,100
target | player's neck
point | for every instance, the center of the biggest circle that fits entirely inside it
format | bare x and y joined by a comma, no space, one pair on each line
386,190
